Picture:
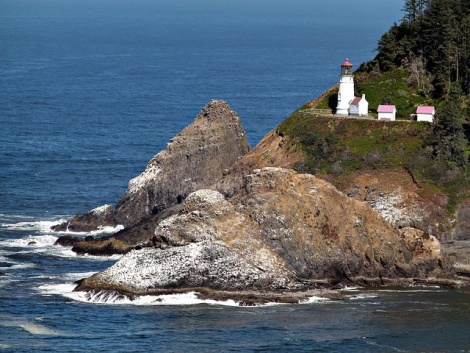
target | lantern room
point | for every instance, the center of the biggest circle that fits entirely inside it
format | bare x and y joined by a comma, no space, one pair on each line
346,68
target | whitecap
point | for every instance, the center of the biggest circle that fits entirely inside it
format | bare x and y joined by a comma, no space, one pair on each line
114,257
106,230
4,282
77,275
32,241
314,300
181,299
56,289
22,266
362,296
41,226
29,326
44,226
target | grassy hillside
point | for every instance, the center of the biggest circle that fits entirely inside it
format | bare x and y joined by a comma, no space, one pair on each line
341,145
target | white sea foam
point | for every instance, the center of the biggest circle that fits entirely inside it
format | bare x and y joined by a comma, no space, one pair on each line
41,226
32,241
153,300
5,281
110,298
314,300
114,257
77,275
45,227
44,244
31,327
22,266
363,296
56,289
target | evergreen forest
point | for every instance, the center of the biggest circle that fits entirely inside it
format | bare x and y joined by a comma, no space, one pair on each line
433,43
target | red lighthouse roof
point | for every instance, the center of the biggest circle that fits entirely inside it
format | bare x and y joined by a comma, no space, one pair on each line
347,63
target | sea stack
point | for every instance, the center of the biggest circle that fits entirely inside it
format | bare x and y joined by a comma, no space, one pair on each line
195,158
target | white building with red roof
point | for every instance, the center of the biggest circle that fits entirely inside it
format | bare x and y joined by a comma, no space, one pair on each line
359,106
425,113
387,112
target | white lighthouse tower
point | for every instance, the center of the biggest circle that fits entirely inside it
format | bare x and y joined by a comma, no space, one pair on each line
346,89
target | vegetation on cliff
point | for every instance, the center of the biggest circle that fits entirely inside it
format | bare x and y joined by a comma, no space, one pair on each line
423,60
431,42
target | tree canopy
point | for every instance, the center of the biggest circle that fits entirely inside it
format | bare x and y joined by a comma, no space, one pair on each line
432,41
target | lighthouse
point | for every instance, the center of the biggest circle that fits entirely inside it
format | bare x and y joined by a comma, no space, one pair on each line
346,89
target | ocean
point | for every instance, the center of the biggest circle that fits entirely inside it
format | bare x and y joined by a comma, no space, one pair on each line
90,90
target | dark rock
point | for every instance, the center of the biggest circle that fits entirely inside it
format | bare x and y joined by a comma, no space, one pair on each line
102,247
97,218
195,158
67,240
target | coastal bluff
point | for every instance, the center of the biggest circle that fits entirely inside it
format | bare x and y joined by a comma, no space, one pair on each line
210,215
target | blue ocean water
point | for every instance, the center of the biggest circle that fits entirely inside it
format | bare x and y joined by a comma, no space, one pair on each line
90,90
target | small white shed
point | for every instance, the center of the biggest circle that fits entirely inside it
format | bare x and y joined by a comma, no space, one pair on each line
359,106
387,112
425,113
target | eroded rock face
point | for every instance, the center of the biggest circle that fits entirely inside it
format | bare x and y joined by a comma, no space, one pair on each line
282,230
320,232
399,200
194,159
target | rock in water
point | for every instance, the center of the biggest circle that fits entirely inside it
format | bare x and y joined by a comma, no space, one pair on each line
281,231
195,158
97,218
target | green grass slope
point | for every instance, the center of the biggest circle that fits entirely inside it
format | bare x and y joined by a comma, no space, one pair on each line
338,146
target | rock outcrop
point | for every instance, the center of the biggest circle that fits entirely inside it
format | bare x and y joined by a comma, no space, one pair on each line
95,219
280,231
195,158
396,196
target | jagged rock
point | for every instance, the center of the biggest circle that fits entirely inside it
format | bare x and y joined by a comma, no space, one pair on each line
67,240
320,232
282,230
97,218
195,158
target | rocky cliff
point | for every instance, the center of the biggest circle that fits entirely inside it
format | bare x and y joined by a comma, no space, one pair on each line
282,231
195,158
